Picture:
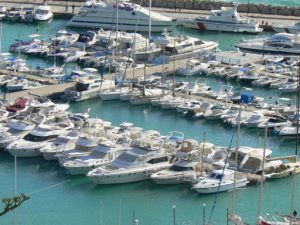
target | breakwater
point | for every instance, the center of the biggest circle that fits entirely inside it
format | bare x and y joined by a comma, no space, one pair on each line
211,5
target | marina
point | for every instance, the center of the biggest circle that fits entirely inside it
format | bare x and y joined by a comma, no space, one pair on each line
155,127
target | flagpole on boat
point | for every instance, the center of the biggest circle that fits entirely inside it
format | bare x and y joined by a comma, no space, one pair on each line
101,213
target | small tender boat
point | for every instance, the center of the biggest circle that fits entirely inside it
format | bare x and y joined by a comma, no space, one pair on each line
43,13
219,181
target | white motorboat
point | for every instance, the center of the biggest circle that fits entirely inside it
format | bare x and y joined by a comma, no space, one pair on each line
175,48
40,137
17,85
281,43
264,82
105,152
288,132
193,67
113,94
73,55
128,95
43,13
255,119
287,28
17,129
184,169
188,105
14,14
87,88
218,110
60,144
172,103
289,87
274,121
219,181
36,49
146,97
226,19
95,14
83,146
3,11
146,157
200,112
86,39
65,38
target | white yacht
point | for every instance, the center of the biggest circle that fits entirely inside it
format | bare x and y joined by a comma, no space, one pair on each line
219,181
226,19
175,48
65,38
124,15
193,67
281,43
43,13
40,137
287,28
83,146
218,110
146,157
184,168
17,129
86,39
86,89
113,94
60,144
102,154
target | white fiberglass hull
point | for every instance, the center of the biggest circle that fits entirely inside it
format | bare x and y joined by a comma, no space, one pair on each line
222,26
173,179
287,29
25,149
223,187
128,175
125,24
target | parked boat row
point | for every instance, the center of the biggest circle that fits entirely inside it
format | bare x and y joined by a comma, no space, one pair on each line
40,13
109,155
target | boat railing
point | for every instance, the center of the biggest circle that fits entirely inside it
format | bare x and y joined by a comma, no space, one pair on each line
227,60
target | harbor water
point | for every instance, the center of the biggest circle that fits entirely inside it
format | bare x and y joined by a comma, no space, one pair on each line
58,198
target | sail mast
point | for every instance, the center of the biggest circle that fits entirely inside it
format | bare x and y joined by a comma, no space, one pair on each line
262,173
236,162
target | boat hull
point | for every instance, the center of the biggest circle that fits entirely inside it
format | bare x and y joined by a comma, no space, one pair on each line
227,187
203,25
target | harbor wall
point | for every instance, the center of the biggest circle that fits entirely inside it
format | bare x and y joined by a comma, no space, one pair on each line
210,5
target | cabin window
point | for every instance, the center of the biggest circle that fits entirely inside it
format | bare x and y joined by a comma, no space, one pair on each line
180,168
158,160
133,13
30,137
198,42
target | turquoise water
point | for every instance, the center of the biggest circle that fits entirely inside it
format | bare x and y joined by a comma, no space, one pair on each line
57,198
291,3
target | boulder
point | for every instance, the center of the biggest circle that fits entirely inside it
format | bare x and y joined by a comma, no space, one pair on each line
285,11
296,12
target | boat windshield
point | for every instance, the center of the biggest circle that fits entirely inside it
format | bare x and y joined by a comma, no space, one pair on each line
34,138
42,11
61,140
98,155
180,168
127,157
216,176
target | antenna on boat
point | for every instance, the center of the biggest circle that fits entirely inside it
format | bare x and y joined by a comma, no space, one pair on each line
174,214
262,177
174,72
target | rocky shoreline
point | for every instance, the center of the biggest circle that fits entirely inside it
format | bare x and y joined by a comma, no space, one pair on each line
210,5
